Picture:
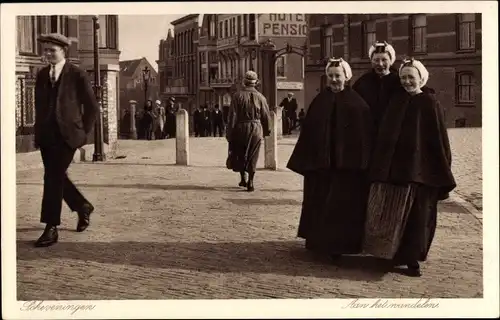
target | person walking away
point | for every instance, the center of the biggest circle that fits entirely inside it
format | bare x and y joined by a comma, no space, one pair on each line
377,86
218,121
249,121
332,154
410,172
61,127
302,115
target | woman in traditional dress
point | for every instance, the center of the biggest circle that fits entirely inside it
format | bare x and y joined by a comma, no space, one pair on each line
377,85
410,170
332,154
248,122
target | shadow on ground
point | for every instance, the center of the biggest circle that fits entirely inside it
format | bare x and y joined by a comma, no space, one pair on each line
165,187
269,257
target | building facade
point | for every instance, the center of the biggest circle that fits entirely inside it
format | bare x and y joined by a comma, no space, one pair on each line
226,53
204,66
448,44
179,55
132,86
29,60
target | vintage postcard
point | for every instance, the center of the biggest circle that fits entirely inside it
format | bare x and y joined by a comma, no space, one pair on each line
224,160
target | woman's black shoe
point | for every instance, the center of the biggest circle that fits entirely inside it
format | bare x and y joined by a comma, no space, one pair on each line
242,183
413,270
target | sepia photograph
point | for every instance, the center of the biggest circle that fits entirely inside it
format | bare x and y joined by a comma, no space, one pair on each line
233,156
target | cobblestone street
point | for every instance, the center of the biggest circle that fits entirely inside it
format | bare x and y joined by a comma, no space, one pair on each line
162,231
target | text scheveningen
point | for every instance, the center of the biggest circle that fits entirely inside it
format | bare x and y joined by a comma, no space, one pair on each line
72,308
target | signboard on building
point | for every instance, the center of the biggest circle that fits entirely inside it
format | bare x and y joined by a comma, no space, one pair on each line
289,85
282,25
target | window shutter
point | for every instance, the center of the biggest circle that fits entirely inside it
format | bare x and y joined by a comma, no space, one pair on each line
72,25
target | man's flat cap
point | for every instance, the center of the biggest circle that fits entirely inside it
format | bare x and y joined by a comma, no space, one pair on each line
55,38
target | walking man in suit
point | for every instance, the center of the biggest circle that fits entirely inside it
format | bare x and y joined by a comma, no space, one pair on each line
61,127
290,106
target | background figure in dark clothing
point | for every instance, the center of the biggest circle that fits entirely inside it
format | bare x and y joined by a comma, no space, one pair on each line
302,116
225,112
148,120
410,171
332,154
125,124
217,121
197,121
61,127
205,122
171,125
139,126
377,86
248,122
290,107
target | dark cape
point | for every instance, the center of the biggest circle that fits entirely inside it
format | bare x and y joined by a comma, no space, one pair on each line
350,134
413,148
332,154
413,144
377,92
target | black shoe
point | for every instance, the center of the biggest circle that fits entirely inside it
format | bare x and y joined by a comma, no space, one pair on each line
84,217
242,183
413,270
250,187
48,237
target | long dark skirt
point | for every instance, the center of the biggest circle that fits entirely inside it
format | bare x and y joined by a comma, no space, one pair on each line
401,221
333,211
246,140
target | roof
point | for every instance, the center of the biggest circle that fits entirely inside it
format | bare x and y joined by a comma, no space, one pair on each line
185,18
128,67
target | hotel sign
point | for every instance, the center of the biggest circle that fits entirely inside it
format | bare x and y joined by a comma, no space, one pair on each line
282,25
289,85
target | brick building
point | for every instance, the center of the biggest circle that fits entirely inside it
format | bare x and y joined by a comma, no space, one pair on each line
29,59
132,83
448,44
225,54
181,61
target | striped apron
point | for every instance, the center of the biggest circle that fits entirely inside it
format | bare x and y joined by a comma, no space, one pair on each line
387,213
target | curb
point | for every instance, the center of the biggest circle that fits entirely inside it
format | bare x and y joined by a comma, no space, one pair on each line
454,197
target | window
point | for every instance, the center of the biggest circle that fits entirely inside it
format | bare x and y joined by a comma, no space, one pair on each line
221,28
419,26
107,31
327,43
369,35
26,34
280,66
465,89
226,29
239,26
467,31
245,25
211,31
251,26
233,27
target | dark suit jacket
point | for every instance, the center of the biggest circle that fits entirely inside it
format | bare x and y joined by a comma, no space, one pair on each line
76,108
290,107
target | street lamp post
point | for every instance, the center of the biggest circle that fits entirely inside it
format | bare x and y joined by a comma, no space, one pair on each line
98,129
145,76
